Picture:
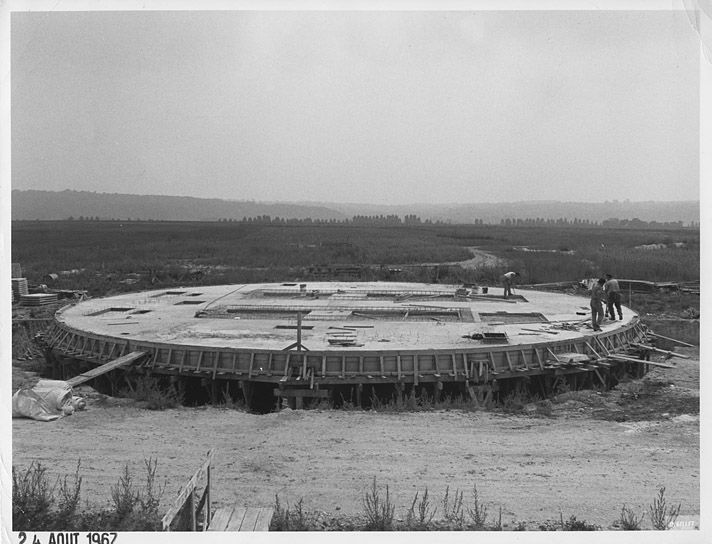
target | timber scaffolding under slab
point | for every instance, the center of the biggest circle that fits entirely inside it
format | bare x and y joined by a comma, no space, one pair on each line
387,350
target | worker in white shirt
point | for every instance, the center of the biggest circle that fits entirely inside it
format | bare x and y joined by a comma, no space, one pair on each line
507,280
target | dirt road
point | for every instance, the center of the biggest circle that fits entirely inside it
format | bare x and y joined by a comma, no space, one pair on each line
534,467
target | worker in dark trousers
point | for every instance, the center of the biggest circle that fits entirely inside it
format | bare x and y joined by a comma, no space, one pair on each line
507,280
597,304
613,296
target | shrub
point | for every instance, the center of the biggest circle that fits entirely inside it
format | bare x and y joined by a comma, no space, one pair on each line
453,512
32,498
155,397
628,521
663,516
297,519
379,510
420,513
572,524
478,514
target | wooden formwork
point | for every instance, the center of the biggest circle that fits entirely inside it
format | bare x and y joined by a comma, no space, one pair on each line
299,374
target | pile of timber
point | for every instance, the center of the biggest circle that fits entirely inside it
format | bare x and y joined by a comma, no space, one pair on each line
19,287
38,299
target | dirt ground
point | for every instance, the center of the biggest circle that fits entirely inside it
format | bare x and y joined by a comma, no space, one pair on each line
594,453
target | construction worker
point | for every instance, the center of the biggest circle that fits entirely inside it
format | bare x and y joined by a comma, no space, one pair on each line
597,304
507,280
613,297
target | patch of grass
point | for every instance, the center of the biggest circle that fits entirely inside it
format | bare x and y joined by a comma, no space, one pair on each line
628,520
32,499
154,395
39,506
296,519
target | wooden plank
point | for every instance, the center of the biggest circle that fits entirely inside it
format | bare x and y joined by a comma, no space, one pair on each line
302,393
658,350
634,360
248,522
264,518
238,515
221,519
593,350
678,342
103,369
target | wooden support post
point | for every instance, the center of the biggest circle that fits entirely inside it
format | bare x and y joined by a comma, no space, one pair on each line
524,358
509,361
208,509
216,360
182,360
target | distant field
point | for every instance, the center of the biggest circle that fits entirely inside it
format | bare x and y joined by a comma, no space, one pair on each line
106,253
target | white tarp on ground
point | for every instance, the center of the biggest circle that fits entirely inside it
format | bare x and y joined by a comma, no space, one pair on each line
46,401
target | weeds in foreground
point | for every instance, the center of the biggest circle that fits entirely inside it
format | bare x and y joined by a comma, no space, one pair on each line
420,514
628,520
32,498
39,506
285,519
379,510
478,514
453,511
663,516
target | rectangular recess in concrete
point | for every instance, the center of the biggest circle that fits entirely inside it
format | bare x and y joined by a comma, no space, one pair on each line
113,309
189,302
511,318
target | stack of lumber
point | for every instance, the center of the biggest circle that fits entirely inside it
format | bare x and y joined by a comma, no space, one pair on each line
38,299
19,287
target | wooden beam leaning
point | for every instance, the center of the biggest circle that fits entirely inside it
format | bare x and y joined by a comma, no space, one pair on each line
617,357
509,361
658,350
107,367
679,342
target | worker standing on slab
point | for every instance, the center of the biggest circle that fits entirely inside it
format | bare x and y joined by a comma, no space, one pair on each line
507,280
597,304
613,296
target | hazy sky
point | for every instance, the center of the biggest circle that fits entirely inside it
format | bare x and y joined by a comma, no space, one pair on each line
377,107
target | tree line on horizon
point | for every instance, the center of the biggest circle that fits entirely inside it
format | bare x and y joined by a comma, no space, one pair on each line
414,220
